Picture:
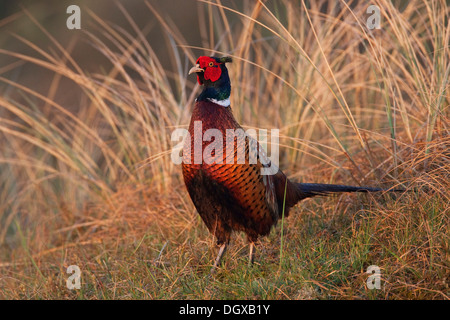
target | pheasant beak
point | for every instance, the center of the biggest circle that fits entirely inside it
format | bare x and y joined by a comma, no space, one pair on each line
196,68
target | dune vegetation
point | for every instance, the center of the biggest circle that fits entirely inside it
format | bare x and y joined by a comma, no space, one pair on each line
91,183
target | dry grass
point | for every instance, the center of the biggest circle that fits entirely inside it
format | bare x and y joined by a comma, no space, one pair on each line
92,184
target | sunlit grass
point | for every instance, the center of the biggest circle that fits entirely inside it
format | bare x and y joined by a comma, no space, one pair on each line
93,185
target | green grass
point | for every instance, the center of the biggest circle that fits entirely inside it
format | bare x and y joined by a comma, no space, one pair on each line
326,253
90,182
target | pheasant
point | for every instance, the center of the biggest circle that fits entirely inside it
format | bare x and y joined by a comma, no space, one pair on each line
232,195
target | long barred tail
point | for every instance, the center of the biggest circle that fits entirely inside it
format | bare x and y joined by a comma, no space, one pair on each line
315,189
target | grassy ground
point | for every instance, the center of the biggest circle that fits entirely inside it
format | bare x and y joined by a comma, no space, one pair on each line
327,248
91,183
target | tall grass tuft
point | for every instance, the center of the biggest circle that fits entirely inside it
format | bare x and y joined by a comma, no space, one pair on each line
90,181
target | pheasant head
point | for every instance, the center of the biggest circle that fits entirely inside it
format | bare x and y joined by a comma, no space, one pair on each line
213,75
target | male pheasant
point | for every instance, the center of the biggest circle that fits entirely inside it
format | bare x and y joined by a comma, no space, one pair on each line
229,194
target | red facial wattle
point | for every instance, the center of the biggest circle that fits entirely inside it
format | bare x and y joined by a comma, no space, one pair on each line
212,69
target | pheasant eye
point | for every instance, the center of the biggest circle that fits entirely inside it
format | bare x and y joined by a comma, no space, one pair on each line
211,64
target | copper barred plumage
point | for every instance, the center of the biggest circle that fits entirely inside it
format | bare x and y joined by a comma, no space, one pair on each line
235,196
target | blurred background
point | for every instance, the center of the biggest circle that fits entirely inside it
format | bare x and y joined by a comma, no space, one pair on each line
86,118
51,16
